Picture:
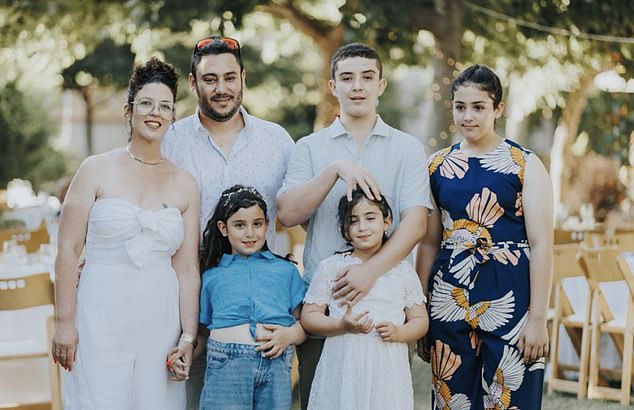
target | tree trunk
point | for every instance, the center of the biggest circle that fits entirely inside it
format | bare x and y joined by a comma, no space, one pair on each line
328,107
565,135
89,119
447,30
327,39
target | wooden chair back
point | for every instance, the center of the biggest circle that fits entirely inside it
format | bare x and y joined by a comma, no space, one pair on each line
26,292
34,238
562,236
604,265
624,241
575,321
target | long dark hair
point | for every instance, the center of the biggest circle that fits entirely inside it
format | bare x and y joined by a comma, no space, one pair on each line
344,212
214,244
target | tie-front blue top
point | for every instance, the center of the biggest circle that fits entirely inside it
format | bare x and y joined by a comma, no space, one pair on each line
261,288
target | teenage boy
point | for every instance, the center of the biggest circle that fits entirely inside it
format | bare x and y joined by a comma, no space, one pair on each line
357,150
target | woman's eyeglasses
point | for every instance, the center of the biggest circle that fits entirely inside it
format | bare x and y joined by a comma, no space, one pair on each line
145,106
232,43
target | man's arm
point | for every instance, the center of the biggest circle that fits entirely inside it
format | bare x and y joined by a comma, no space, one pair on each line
356,281
296,205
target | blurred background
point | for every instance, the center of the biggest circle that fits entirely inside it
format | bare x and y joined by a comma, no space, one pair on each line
567,67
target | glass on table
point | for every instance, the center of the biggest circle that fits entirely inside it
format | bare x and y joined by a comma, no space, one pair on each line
46,254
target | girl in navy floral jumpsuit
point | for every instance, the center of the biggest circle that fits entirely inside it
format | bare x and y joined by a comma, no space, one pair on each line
486,259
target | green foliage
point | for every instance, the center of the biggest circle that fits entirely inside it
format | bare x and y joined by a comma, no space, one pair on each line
24,147
109,64
609,120
512,27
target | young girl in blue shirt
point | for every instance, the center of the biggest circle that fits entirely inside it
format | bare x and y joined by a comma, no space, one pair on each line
249,305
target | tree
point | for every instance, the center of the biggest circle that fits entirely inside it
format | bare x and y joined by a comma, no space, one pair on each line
94,71
24,147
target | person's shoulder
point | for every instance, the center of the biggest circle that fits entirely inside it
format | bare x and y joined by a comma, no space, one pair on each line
512,144
284,264
178,134
402,139
185,179
337,259
405,138
181,179
185,121
209,273
406,267
315,138
269,127
97,162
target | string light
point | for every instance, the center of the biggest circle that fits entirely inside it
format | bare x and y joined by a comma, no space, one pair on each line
547,29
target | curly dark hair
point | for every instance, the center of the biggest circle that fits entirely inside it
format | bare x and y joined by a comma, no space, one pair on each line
152,71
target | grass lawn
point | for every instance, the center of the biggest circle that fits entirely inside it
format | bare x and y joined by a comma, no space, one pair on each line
558,401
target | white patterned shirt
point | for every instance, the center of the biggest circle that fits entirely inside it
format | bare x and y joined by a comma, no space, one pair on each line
258,158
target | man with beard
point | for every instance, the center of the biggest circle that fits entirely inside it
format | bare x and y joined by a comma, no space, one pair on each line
222,145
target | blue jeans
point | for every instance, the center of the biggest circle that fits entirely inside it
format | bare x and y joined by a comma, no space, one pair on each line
238,377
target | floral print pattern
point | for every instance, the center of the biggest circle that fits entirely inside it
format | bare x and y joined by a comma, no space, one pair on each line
480,290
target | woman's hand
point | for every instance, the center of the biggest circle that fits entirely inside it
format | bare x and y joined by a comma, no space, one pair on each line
179,360
64,345
360,323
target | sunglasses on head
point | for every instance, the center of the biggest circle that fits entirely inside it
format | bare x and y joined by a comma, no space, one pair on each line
232,43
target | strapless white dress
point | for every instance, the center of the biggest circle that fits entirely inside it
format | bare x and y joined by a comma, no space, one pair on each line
127,311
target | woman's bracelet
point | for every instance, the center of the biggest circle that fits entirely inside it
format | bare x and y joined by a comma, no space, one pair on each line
186,337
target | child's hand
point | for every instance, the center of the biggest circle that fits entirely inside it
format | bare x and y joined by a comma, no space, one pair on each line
277,339
388,331
360,323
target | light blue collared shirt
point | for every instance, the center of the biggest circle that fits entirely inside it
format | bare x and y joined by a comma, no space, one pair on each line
262,288
396,160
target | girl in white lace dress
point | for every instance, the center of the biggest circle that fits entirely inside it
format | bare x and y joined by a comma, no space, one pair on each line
364,363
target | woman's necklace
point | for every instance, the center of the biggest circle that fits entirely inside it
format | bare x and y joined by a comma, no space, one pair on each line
134,157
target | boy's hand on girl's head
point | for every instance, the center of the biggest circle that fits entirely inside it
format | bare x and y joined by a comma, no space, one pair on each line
356,177
388,331
276,340
359,323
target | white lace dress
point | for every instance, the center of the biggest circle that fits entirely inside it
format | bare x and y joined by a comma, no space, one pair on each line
361,371
127,311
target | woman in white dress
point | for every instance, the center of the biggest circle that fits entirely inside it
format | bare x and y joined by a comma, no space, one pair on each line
364,363
136,299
